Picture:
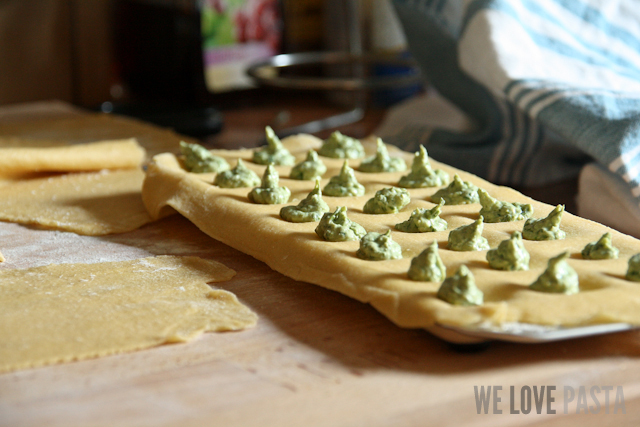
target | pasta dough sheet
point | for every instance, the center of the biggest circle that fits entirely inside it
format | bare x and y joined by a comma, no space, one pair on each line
92,127
22,156
60,313
92,204
95,203
296,251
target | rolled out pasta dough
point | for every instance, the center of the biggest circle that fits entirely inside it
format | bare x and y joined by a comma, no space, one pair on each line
84,128
25,156
92,204
67,312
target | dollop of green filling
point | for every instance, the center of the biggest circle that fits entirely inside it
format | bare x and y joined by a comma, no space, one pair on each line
274,152
559,277
310,168
269,193
496,211
633,269
310,209
386,201
344,184
547,228
238,177
461,289
510,254
458,192
198,159
337,227
422,175
382,162
377,247
339,146
424,220
427,266
602,249
468,237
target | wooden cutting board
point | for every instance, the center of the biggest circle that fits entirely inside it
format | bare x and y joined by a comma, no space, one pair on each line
316,358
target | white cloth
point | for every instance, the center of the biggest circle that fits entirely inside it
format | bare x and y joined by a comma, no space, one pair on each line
602,196
550,85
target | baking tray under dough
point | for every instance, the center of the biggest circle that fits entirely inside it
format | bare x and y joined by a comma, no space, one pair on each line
295,250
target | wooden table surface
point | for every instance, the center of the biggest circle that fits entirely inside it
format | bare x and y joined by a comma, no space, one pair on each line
316,358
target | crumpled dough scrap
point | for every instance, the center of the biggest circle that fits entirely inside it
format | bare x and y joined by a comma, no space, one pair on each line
66,312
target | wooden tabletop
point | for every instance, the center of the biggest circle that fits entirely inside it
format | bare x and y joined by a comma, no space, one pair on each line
316,358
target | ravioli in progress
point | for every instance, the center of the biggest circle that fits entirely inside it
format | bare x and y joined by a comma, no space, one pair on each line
295,250
66,312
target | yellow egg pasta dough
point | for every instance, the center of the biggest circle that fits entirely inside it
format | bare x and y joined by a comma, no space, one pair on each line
41,165
60,313
95,203
91,127
296,251
27,156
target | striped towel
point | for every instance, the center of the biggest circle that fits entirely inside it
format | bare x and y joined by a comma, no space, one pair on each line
551,85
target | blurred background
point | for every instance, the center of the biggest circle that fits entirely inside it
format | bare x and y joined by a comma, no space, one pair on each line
182,64
87,52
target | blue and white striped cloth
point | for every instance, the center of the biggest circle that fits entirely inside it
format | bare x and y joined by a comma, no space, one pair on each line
551,84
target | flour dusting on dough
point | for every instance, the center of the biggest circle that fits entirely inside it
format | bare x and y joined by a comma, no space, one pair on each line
32,248
146,263
60,313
